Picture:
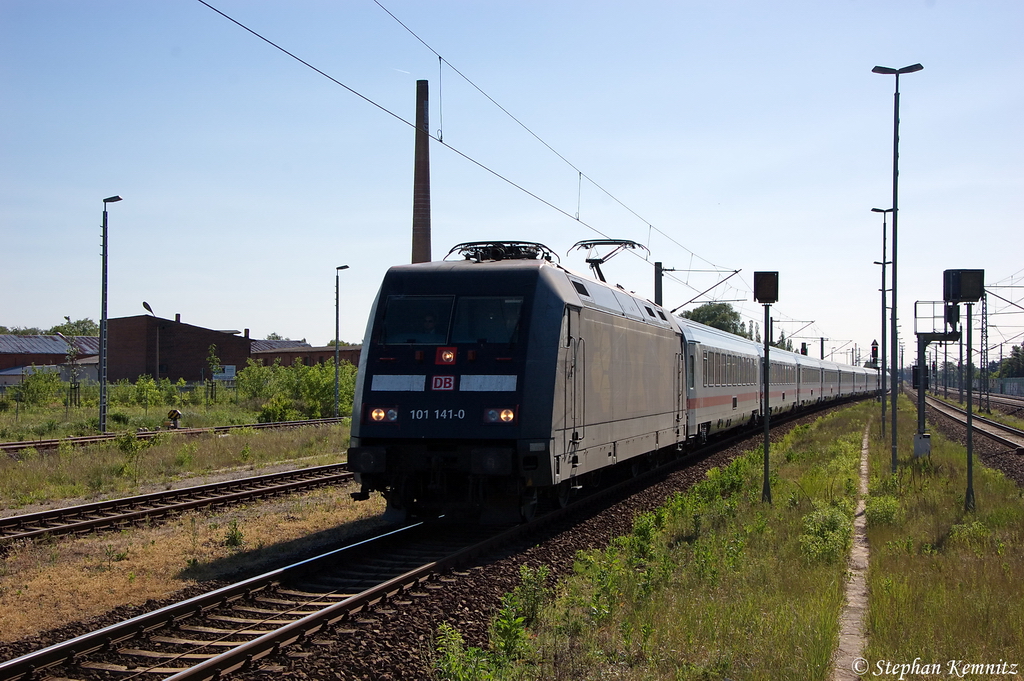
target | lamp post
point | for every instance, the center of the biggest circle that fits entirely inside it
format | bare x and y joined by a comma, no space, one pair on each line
895,213
337,341
883,263
156,373
103,319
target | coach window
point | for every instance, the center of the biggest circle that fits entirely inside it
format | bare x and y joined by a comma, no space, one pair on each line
417,320
705,368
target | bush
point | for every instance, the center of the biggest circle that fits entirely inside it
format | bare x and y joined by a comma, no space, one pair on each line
827,534
279,408
883,510
41,387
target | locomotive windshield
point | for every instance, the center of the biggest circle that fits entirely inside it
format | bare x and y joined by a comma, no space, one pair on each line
426,320
487,319
417,319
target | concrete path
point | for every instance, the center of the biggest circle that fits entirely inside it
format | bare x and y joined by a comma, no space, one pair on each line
852,639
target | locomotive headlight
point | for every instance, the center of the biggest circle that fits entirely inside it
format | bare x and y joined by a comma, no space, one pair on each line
445,356
387,415
499,415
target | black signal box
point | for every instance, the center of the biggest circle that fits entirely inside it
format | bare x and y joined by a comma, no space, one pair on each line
963,286
766,287
916,377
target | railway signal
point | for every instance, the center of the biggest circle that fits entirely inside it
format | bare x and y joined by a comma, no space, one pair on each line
766,292
966,286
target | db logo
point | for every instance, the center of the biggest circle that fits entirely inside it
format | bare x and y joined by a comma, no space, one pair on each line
443,383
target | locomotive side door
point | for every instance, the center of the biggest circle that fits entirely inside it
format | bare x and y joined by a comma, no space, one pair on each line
574,386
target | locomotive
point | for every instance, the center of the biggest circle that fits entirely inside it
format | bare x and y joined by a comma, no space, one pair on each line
493,381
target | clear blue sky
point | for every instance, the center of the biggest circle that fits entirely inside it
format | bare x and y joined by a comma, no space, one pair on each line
738,135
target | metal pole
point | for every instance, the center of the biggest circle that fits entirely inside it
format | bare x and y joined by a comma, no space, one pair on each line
922,372
960,372
766,490
895,202
337,314
337,339
103,326
882,375
969,499
657,283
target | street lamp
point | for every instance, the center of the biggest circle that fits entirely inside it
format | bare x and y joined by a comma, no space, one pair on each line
337,341
146,306
895,213
103,320
883,263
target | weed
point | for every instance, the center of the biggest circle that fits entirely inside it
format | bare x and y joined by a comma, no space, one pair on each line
114,555
233,537
455,662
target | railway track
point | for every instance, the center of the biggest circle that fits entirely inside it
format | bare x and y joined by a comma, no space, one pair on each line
236,627
83,440
129,510
1001,433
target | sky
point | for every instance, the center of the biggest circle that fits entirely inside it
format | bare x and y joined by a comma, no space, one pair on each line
720,135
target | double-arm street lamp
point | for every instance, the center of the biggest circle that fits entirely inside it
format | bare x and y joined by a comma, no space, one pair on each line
337,340
895,214
103,320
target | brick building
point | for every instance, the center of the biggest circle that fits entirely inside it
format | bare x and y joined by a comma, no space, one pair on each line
24,351
306,354
165,348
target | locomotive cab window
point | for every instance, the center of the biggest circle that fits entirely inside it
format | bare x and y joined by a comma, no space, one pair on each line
417,320
487,319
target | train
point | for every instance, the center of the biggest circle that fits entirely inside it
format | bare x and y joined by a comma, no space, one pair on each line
498,380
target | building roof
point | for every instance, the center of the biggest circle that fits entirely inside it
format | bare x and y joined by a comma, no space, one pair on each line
272,345
308,348
47,345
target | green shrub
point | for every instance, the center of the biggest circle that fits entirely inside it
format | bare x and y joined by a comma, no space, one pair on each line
883,510
278,408
827,534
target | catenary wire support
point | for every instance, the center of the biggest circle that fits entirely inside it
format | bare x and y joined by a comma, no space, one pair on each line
440,100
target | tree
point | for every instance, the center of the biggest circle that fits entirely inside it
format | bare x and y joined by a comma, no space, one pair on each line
273,335
213,361
1013,366
783,343
720,316
21,331
81,327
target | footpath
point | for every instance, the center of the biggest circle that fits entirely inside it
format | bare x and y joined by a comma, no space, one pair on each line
851,623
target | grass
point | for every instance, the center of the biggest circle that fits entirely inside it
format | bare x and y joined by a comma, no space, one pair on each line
945,584
53,581
715,584
26,422
123,467
47,584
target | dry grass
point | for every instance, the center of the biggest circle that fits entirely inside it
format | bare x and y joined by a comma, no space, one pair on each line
44,585
108,471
